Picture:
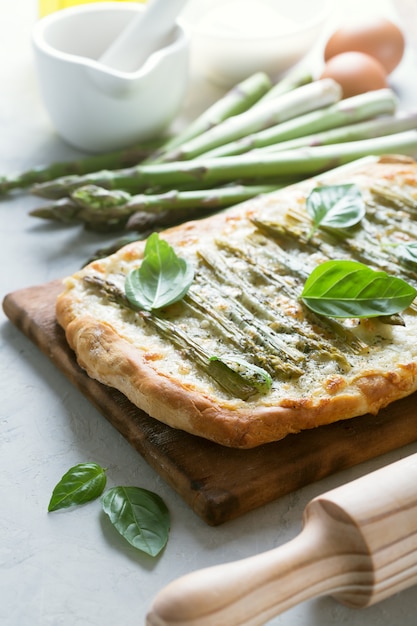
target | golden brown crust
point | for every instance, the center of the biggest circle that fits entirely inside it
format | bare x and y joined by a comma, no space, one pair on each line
115,360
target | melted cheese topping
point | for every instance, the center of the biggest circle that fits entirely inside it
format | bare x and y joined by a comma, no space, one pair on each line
248,280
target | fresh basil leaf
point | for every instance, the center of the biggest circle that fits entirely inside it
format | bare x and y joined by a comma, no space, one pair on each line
162,278
82,483
407,254
335,206
255,376
140,516
351,289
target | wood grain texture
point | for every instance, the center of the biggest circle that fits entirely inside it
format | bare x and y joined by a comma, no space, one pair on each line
218,483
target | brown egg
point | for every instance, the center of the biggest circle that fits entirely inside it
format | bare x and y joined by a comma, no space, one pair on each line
376,36
355,72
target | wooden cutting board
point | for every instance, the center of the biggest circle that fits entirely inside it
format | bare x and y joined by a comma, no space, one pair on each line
218,483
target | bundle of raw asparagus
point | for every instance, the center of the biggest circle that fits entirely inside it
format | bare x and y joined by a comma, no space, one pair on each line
257,138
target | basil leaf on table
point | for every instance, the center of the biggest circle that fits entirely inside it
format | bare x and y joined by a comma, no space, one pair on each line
351,289
162,278
140,516
80,484
335,206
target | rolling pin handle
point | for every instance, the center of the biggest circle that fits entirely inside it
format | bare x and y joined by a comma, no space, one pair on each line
251,591
358,544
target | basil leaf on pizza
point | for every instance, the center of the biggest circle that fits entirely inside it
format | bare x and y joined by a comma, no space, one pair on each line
351,289
335,206
407,254
162,278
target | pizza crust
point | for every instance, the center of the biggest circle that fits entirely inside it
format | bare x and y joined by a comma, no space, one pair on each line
115,348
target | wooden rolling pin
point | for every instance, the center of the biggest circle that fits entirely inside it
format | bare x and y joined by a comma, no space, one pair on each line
358,544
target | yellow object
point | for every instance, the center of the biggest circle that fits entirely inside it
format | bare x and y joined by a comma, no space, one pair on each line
49,6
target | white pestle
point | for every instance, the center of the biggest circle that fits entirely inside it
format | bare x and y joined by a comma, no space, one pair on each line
144,35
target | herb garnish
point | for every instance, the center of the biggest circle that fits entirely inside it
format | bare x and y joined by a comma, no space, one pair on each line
407,253
139,515
335,207
162,278
352,289
80,484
